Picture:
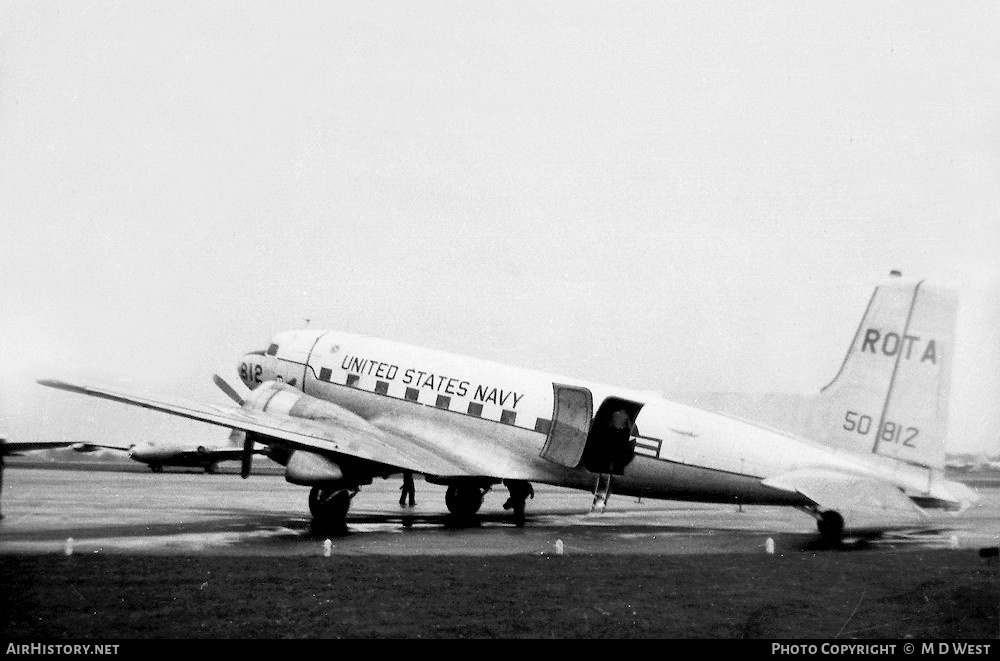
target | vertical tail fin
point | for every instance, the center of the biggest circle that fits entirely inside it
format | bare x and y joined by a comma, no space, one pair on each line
891,394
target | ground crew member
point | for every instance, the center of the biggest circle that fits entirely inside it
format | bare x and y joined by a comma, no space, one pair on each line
520,491
408,491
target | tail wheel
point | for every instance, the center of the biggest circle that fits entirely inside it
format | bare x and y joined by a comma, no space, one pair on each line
831,526
463,500
329,505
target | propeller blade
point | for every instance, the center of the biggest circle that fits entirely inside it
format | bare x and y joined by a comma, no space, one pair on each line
247,456
228,389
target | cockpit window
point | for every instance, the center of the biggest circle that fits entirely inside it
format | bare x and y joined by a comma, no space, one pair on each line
272,350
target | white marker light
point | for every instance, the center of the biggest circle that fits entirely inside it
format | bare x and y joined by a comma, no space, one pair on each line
769,546
559,547
327,547
69,546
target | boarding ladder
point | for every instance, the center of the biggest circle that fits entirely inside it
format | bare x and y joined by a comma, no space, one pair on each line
602,491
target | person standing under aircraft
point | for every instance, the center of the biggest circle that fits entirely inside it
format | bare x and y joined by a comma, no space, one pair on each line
408,490
520,491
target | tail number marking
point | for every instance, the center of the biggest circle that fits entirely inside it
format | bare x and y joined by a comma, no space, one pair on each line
890,432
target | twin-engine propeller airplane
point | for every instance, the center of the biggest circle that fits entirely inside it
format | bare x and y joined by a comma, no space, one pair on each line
156,455
865,453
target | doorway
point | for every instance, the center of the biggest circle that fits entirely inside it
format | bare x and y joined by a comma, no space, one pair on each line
610,444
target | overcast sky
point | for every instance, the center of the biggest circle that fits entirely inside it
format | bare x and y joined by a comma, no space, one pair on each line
659,195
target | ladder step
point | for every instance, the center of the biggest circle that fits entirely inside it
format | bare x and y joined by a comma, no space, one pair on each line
602,491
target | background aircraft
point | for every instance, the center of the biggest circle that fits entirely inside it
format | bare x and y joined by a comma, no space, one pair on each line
157,455
865,453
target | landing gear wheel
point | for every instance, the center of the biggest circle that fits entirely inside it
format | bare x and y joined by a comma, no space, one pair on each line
156,468
329,505
463,500
831,526
211,469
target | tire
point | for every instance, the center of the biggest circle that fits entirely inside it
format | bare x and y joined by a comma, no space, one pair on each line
831,526
329,506
463,500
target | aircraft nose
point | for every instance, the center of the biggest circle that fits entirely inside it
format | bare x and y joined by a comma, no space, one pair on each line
251,369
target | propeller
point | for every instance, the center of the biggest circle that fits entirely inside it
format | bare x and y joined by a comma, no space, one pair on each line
246,461
228,389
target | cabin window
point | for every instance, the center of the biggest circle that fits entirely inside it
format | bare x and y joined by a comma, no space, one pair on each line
381,387
443,401
352,379
412,394
272,350
508,417
324,374
476,409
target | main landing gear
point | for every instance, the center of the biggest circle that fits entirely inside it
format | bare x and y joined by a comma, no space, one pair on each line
329,505
831,526
464,500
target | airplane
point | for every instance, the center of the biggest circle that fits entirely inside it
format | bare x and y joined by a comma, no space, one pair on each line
339,410
156,455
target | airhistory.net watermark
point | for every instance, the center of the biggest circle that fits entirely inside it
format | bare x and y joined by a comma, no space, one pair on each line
55,648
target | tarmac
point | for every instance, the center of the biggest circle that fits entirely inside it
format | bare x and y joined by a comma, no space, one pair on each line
51,508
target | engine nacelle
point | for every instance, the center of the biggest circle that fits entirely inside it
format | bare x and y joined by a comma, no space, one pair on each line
311,469
302,466
283,399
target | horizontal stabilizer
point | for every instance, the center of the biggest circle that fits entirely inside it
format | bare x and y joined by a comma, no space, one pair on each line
862,500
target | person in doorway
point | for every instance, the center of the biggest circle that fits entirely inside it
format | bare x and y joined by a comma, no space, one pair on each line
620,443
408,491
520,491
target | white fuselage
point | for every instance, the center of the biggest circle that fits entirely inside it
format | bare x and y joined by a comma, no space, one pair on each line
502,418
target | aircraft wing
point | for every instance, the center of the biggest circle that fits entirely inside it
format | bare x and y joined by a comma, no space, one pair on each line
8,448
223,454
338,433
871,502
92,447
